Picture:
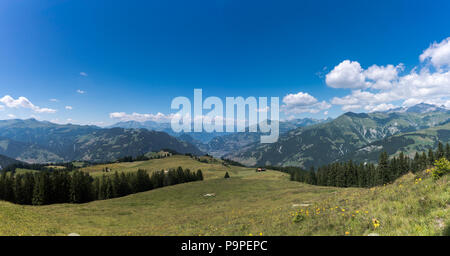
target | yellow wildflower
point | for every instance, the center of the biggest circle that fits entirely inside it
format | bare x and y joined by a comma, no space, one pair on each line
375,223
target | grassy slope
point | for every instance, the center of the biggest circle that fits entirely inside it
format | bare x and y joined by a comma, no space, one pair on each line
248,203
210,170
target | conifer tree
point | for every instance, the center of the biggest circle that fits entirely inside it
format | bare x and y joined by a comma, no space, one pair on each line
416,162
383,169
28,188
423,161
116,184
2,185
447,151
430,157
96,188
9,194
440,153
19,192
199,174
340,176
40,192
109,188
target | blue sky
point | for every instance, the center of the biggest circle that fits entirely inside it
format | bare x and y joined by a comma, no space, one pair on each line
136,56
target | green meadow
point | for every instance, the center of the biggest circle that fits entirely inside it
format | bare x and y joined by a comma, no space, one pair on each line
249,203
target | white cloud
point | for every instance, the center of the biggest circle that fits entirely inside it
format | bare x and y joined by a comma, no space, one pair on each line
411,102
99,123
68,107
348,74
376,72
380,77
10,102
23,102
83,74
54,100
381,107
438,54
368,101
11,116
81,91
159,117
45,110
57,121
299,99
385,86
302,102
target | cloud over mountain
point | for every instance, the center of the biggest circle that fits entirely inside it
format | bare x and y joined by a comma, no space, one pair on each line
159,117
379,87
302,102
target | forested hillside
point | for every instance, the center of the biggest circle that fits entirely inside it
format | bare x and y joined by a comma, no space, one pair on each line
328,142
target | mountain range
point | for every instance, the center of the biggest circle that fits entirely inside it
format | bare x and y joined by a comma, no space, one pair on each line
340,138
303,142
418,108
36,141
203,138
408,143
219,144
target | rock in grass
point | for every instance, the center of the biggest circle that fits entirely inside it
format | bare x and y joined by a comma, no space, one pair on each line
301,205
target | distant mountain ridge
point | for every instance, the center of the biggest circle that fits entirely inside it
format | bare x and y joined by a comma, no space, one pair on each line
408,143
324,143
110,144
56,138
219,143
150,125
418,108
302,142
40,141
26,152
233,142
201,137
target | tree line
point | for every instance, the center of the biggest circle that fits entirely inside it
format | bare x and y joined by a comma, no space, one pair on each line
351,174
69,166
228,162
45,187
142,157
39,167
